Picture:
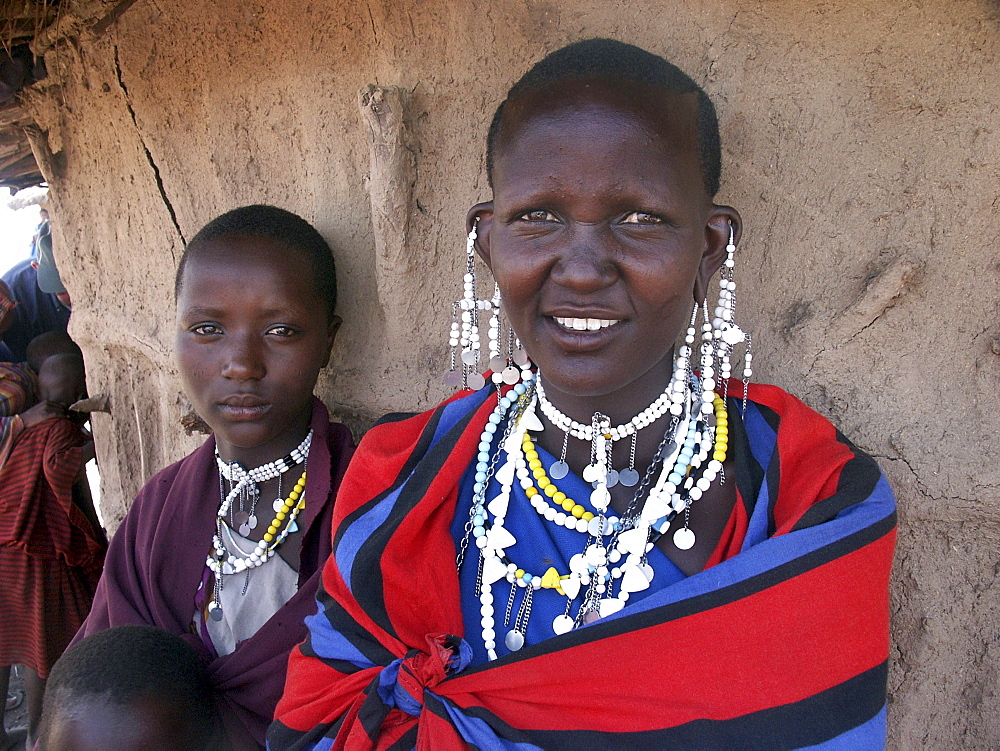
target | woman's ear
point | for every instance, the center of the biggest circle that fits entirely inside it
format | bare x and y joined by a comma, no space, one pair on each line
480,216
331,335
721,221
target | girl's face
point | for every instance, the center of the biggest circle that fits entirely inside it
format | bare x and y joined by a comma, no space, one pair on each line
252,336
599,231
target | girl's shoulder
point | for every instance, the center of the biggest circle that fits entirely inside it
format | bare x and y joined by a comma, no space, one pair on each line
181,480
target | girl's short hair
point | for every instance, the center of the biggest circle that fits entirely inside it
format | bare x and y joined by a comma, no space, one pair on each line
276,224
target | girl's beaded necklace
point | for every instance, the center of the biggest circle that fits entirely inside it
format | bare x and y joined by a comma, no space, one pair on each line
227,559
614,549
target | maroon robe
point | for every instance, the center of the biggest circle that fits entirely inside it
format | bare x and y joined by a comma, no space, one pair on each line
156,562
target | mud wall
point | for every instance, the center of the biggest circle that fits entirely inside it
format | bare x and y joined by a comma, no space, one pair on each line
860,144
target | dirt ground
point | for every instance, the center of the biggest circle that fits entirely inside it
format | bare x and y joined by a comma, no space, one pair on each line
16,718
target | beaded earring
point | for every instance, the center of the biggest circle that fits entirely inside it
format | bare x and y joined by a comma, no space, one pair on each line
464,370
510,365
726,334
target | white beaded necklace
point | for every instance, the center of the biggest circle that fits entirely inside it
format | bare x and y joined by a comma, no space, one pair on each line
244,483
615,550
652,413
668,401
242,478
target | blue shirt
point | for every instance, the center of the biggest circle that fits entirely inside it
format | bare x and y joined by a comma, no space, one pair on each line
36,313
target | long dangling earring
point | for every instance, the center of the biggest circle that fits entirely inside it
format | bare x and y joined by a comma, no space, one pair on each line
464,369
725,332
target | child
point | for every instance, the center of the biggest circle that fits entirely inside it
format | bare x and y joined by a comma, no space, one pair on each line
51,546
219,547
131,688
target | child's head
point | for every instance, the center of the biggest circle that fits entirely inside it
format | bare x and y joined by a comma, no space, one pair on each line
62,379
130,688
285,229
48,344
256,292
58,362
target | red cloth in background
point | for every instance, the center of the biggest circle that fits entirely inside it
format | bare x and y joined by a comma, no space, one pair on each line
50,553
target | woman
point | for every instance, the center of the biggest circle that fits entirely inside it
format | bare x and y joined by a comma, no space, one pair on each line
649,554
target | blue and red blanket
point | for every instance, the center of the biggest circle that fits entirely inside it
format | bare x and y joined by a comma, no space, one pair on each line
783,646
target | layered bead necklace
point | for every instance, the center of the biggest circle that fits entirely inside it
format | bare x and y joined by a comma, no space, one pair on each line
612,560
228,557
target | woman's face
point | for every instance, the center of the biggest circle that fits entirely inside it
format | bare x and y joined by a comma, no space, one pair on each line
252,336
599,228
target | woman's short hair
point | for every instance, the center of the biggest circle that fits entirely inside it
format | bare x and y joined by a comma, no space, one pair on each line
609,58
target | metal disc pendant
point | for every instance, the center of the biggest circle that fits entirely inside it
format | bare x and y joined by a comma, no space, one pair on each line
562,624
684,538
628,477
497,364
514,640
245,530
240,518
453,379
278,504
475,381
252,521
215,613
511,375
612,478
591,616
470,357
520,357
558,470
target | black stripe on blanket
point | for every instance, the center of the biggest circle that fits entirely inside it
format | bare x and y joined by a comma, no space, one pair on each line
858,479
773,471
349,630
406,741
279,736
808,722
749,473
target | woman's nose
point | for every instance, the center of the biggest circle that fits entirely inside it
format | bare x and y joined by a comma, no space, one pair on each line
587,262
244,359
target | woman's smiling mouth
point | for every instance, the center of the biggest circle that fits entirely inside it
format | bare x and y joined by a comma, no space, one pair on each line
585,324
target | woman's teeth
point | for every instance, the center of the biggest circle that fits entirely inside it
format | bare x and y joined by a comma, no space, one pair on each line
585,324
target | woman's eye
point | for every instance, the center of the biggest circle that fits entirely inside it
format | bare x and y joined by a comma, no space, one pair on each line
206,329
537,215
282,331
642,217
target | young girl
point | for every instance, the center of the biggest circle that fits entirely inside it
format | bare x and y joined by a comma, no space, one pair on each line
225,546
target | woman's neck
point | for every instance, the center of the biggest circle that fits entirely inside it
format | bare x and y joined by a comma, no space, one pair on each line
619,406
